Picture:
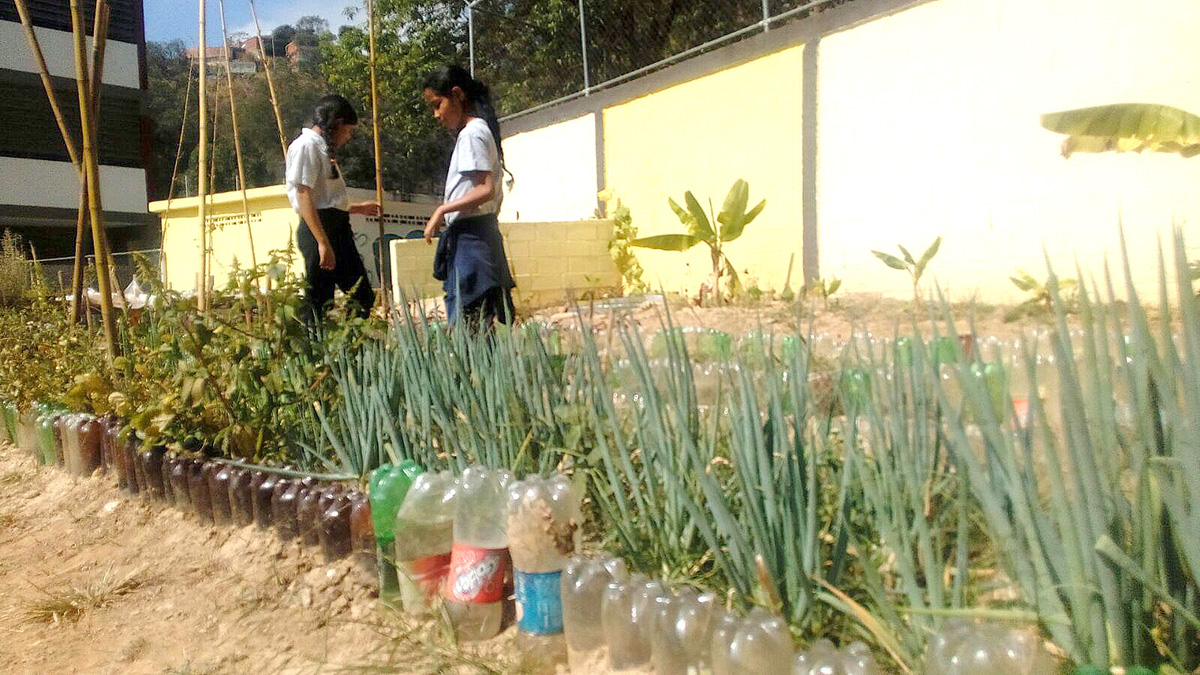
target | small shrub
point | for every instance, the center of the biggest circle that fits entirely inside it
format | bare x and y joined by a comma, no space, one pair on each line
14,270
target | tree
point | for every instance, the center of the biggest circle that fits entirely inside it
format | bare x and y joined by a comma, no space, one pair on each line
278,41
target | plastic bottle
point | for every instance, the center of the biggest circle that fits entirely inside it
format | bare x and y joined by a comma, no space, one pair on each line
335,528
308,516
388,486
761,644
627,614
241,499
584,582
543,532
218,489
179,483
682,640
362,532
822,658
47,442
153,478
968,648
198,490
283,509
262,498
424,531
89,432
479,561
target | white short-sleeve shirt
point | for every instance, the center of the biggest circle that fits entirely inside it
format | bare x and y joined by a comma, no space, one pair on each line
474,150
308,164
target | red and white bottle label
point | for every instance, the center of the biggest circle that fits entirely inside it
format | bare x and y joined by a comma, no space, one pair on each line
427,573
477,575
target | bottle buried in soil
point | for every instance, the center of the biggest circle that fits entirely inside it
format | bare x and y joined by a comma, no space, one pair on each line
48,447
970,648
308,515
424,533
90,433
198,490
822,658
153,480
283,509
218,490
627,615
264,488
241,497
584,581
543,524
179,483
27,435
760,643
683,627
335,528
479,562
388,486
362,532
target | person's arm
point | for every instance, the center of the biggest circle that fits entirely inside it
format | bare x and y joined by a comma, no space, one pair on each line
308,211
366,208
483,190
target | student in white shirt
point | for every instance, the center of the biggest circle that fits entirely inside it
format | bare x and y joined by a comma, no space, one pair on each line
470,261
317,191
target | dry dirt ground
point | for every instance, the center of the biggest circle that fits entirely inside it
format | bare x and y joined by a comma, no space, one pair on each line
159,592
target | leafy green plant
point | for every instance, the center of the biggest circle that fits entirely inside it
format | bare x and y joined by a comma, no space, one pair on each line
1127,127
822,288
914,267
619,249
1040,298
14,270
713,230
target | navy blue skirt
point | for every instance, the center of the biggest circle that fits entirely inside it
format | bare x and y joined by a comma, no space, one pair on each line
470,261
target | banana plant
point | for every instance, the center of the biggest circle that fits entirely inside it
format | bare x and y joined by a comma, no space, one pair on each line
730,223
1127,127
914,267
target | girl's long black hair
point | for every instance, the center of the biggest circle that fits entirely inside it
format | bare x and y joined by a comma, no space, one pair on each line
330,113
443,81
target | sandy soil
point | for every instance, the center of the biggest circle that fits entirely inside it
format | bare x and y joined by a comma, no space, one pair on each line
199,599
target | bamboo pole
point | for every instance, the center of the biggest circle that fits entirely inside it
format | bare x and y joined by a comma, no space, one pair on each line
99,44
270,81
100,23
187,99
237,141
92,169
378,158
202,170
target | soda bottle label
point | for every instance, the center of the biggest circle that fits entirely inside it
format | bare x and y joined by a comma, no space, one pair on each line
539,602
1021,411
427,573
476,574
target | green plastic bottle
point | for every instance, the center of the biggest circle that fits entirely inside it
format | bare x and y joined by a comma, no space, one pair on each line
944,350
904,351
995,383
854,388
388,485
714,345
47,441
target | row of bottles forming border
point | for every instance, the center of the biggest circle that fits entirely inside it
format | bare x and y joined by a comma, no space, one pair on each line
492,551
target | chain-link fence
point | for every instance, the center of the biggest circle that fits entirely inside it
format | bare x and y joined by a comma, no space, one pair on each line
56,272
535,53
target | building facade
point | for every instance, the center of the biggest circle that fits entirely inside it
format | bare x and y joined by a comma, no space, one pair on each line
39,187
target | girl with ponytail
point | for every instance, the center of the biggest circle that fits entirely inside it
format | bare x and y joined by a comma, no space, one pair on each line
470,260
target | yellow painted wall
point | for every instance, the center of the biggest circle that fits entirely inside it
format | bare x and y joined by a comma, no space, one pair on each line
929,125
743,122
274,228
554,172
550,262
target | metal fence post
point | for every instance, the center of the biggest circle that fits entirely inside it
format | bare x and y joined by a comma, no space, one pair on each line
587,85
471,35
766,15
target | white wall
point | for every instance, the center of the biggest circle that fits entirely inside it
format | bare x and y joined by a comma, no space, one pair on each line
555,172
39,182
58,47
929,125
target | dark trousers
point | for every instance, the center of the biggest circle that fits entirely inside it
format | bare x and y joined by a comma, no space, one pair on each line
494,306
348,274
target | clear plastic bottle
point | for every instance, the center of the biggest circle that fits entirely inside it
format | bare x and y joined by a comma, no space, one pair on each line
627,614
822,658
761,644
543,532
424,531
584,582
479,561
682,640
969,648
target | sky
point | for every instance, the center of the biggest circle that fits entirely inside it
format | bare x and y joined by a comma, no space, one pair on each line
179,19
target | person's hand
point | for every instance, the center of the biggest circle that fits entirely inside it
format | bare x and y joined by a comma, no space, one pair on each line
327,259
366,208
435,224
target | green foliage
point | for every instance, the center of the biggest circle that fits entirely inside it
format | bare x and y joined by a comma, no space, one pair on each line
1127,127
822,288
14,271
914,267
721,229
1040,298
624,234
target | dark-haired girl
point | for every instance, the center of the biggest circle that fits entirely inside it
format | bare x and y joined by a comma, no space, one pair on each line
317,191
470,260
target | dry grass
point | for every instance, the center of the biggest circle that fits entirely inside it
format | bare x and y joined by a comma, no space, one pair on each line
71,603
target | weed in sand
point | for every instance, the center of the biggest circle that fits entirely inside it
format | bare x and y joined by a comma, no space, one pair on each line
72,602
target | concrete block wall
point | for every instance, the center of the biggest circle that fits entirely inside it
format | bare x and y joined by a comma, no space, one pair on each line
551,262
